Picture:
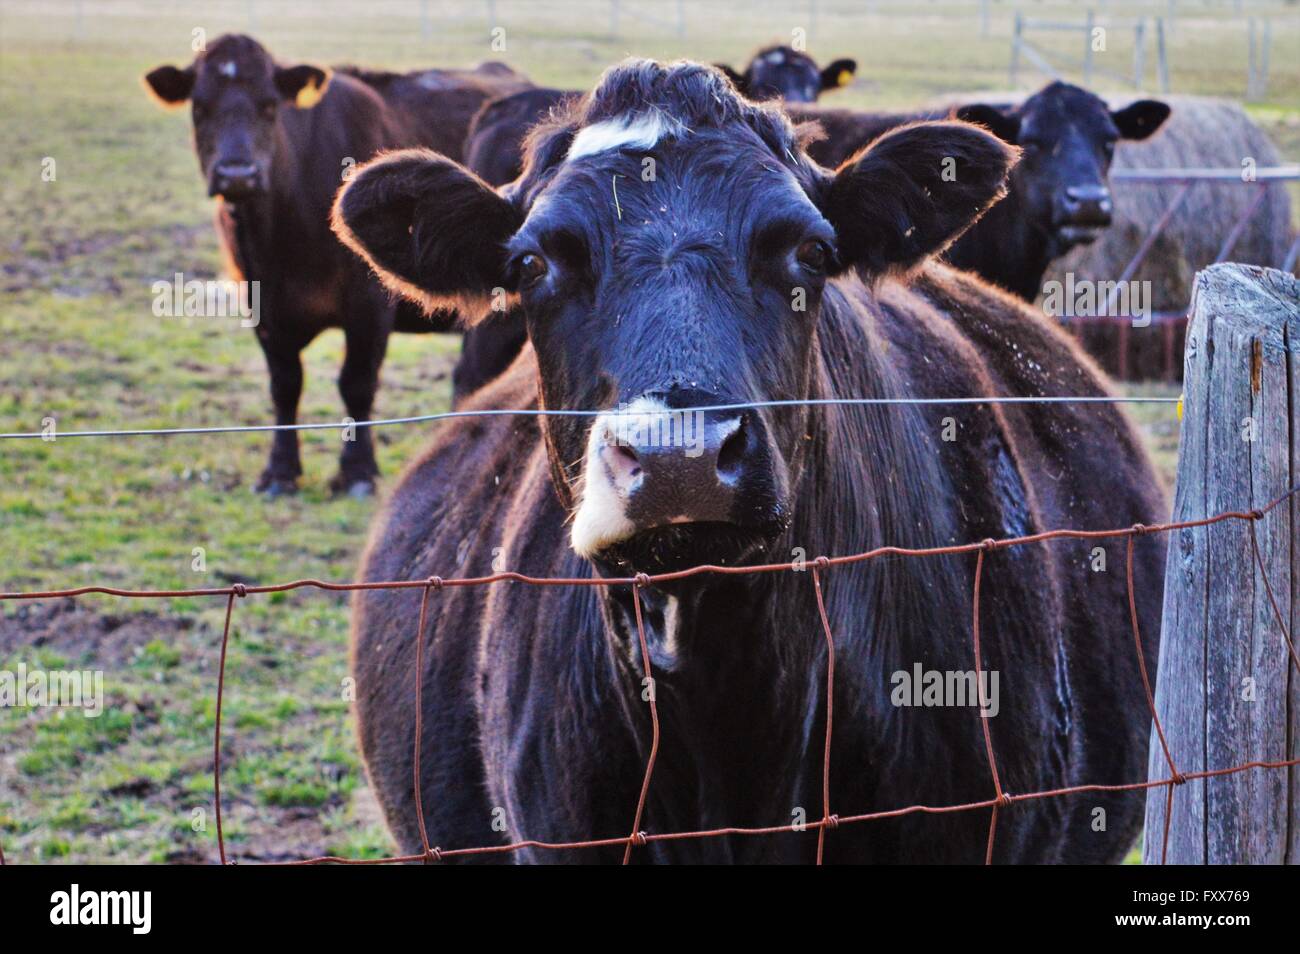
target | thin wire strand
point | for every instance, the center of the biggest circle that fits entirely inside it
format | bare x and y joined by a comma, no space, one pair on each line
638,836
429,853
828,820
216,730
560,412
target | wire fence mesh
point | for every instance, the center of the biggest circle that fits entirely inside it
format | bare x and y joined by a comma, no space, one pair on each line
999,801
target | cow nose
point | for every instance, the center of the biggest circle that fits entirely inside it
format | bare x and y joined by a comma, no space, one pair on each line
1087,203
681,465
234,178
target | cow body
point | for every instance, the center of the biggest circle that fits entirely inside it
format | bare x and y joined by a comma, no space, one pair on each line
273,223
533,708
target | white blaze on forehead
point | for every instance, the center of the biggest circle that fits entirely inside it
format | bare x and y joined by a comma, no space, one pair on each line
640,131
601,519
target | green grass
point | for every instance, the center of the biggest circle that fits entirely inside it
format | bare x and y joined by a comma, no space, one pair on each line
79,343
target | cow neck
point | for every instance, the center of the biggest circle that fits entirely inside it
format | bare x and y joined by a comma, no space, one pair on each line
1002,237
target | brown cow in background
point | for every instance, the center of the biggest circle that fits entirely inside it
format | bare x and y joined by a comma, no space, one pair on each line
274,143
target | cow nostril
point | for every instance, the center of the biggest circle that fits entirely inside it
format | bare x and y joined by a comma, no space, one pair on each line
623,463
732,453
627,456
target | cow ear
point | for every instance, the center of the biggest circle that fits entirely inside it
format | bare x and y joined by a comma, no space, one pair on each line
303,84
1004,125
170,85
840,73
914,191
1140,119
737,79
432,230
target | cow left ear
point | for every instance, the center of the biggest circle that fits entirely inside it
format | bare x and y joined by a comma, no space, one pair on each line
1005,125
913,191
303,84
840,73
1140,119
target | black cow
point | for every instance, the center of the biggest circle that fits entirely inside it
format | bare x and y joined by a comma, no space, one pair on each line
782,72
274,142
1059,195
744,272
494,145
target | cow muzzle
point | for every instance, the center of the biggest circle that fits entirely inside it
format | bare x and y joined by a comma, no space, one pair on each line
1082,213
234,180
683,484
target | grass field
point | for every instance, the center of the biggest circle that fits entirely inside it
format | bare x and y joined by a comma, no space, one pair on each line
79,342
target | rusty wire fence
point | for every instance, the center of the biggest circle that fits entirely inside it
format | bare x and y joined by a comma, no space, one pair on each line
1000,799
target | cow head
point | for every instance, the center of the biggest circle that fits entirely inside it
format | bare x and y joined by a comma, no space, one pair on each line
236,92
670,244
781,72
1067,138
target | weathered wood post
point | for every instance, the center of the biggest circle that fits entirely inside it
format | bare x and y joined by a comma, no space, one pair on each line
1224,693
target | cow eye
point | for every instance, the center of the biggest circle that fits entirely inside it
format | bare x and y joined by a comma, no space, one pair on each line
269,108
532,269
812,256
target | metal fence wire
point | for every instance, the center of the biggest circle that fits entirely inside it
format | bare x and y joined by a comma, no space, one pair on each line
1000,800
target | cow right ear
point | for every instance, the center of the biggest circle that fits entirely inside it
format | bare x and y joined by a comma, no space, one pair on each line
737,80
432,230
170,85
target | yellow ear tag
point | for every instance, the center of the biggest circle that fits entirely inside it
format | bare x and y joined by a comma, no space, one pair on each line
1180,407
844,79
311,94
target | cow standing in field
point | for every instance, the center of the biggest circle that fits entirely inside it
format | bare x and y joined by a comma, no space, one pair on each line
274,143
1058,197
744,272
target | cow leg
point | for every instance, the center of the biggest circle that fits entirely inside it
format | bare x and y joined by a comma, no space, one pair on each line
284,361
365,344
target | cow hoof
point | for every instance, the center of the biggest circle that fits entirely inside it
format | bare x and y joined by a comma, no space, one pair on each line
358,488
361,489
277,487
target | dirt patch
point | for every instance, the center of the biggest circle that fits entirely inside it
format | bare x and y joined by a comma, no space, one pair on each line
70,629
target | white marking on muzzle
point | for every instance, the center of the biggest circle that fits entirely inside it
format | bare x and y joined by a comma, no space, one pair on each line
601,519
638,131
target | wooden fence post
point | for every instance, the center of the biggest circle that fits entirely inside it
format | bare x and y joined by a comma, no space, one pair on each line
1222,691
